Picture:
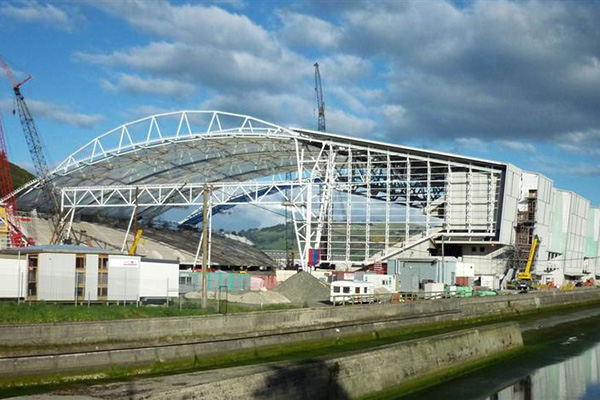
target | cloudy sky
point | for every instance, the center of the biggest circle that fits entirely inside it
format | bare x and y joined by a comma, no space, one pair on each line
509,81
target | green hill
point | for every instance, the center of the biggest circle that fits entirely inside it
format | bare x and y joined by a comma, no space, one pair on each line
270,238
19,176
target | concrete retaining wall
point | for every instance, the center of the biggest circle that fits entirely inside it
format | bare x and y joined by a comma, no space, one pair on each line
342,377
88,361
256,323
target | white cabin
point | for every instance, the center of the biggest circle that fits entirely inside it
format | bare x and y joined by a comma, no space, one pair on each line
351,292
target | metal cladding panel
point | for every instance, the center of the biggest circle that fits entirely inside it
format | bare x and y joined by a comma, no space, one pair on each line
56,277
597,264
469,200
512,187
123,278
558,227
159,279
91,277
543,187
13,277
591,240
576,234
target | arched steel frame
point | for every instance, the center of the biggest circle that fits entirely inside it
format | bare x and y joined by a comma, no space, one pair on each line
355,200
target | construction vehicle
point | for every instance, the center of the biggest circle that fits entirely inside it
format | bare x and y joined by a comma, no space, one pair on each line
524,278
38,157
136,241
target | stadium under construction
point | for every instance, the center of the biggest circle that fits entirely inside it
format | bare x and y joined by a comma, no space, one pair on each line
354,202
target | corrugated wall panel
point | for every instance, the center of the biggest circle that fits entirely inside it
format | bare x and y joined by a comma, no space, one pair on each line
56,277
159,279
91,277
13,277
123,278
512,187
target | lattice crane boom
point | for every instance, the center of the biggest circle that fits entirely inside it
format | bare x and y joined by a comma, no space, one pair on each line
36,150
320,99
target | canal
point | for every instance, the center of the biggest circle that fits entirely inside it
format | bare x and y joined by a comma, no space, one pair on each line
558,363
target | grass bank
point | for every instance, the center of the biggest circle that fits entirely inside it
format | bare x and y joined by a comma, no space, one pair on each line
26,313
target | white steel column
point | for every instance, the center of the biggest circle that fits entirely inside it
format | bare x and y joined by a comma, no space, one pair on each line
407,220
428,199
469,213
388,189
448,213
325,198
210,231
308,234
349,205
128,227
368,211
72,211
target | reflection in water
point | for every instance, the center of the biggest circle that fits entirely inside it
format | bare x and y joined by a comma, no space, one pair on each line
575,378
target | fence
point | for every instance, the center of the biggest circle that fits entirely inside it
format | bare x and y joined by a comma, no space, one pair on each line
400,297
190,281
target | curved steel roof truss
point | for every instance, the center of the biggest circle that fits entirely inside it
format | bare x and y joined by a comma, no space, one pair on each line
356,200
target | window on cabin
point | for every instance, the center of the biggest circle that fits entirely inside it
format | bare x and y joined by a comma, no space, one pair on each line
80,262
336,289
346,289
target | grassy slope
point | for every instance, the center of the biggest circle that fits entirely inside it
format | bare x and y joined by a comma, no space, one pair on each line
270,238
13,313
19,176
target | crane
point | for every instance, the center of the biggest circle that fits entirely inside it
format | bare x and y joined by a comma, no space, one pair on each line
524,278
13,225
320,100
36,150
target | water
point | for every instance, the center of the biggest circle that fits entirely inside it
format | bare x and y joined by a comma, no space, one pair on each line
575,378
558,364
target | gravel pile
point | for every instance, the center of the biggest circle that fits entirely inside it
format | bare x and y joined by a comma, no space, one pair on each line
303,288
262,297
258,298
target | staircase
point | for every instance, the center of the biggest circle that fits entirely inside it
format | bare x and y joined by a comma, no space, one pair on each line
401,247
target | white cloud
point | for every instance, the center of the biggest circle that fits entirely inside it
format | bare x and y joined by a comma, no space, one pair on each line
395,114
282,109
517,145
195,24
46,14
581,142
339,121
469,144
308,31
484,70
58,113
138,85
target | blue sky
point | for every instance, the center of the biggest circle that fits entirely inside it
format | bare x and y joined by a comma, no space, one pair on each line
508,81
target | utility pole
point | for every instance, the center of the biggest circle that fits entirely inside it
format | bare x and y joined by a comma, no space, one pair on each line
205,246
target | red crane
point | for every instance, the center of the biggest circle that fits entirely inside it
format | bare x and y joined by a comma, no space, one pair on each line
17,239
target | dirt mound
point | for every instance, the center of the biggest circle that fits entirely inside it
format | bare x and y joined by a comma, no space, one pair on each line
261,297
258,298
303,288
